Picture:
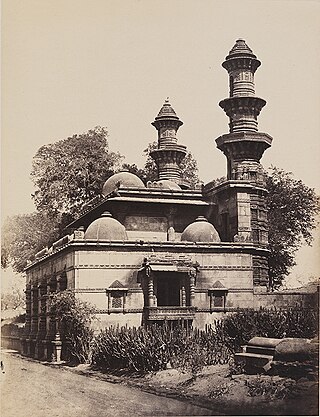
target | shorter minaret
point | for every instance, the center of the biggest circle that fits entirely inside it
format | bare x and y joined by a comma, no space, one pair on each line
169,154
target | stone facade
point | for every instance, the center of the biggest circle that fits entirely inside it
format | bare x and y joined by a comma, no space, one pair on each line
150,253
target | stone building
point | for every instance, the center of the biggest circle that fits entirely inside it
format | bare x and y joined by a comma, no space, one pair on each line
162,251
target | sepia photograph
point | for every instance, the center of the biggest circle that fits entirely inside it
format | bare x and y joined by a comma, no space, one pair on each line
160,207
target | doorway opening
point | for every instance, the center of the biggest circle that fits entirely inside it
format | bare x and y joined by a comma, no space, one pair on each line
171,290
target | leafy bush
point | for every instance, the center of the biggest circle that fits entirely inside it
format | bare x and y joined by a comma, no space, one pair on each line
277,323
152,348
273,389
75,317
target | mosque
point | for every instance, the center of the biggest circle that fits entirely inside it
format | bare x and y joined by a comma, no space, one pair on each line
162,251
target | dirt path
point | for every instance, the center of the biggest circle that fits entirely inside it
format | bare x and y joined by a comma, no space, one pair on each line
31,389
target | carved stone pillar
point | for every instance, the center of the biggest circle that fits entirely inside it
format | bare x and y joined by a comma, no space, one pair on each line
192,277
34,318
62,282
42,324
27,328
150,291
50,318
183,296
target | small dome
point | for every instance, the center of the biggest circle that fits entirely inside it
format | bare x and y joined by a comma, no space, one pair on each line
167,113
121,179
106,228
168,185
200,231
167,110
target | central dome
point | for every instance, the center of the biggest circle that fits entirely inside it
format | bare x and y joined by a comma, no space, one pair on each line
200,231
106,228
121,179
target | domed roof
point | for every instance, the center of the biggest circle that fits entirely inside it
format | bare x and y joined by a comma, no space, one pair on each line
167,113
121,179
167,110
168,185
106,228
200,231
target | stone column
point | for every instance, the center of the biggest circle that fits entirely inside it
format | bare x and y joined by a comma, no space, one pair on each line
50,318
34,318
27,329
192,277
150,291
42,322
183,296
62,282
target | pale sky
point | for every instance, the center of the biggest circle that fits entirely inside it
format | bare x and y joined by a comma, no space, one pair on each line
70,65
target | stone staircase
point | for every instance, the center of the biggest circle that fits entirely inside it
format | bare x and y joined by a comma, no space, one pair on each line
258,354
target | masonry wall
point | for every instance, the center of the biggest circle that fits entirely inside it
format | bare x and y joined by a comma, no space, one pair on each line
286,299
97,270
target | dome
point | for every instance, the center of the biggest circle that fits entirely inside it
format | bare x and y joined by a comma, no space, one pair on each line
121,179
167,110
106,228
168,185
200,231
167,114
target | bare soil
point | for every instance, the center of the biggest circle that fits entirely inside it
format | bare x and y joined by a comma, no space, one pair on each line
225,394
213,391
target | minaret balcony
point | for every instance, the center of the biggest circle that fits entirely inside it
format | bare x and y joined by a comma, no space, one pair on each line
244,145
241,62
242,105
174,153
243,112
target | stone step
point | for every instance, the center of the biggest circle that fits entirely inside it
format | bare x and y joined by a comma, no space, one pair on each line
254,360
258,349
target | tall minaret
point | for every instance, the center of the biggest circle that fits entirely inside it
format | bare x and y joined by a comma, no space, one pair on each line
244,145
169,154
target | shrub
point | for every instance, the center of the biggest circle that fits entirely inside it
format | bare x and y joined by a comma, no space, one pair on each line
75,317
272,389
152,348
277,323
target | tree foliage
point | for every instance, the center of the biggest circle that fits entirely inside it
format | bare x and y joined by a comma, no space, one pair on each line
23,235
72,171
292,214
13,299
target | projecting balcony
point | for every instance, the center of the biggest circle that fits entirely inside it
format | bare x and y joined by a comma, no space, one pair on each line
170,313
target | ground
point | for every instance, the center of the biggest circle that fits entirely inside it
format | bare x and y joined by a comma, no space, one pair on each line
71,391
31,389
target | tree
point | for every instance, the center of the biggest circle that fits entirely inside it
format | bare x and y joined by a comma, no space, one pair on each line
23,235
70,172
12,299
292,215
